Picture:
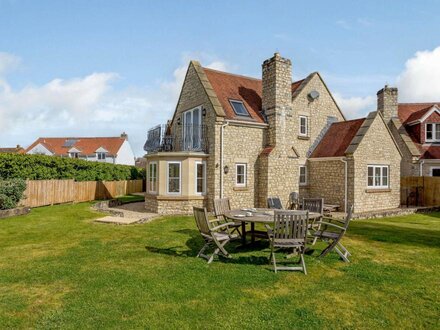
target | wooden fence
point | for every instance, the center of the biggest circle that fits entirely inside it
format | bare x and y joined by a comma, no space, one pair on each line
420,191
48,192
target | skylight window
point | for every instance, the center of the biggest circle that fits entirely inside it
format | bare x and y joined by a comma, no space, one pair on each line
239,108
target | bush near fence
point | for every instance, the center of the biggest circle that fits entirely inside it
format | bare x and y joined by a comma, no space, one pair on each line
49,192
41,167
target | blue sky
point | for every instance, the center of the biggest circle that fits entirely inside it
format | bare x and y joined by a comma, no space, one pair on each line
103,67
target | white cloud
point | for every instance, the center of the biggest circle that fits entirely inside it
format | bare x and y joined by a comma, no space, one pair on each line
87,106
420,80
355,107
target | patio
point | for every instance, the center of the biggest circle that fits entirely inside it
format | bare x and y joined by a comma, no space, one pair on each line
61,269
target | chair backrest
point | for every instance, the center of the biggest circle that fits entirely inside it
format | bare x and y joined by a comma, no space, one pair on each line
348,217
221,205
274,203
202,221
313,205
290,225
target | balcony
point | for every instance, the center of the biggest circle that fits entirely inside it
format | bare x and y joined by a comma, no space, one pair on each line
181,138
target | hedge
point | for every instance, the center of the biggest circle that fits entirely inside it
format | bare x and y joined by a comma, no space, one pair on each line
11,192
41,167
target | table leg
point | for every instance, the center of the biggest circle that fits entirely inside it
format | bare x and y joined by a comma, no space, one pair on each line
253,232
243,232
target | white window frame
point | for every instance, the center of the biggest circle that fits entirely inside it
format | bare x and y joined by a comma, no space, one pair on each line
74,155
203,192
435,131
432,168
244,184
304,183
150,178
306,126
168,178
381,185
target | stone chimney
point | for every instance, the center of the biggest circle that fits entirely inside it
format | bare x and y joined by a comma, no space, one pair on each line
387,102
124,136
277,98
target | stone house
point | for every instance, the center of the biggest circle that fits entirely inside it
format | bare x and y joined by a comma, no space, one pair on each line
416,128
249,139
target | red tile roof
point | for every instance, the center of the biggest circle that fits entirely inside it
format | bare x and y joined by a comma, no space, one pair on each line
15,150
86,145
407,110
230,86
337,139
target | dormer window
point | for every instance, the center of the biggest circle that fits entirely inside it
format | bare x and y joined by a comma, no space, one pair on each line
239,108
101,155
74,155
432,133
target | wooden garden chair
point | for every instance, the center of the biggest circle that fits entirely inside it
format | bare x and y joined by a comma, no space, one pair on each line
289,232
332,233
221,205
293,201
274,203
214,236
315,205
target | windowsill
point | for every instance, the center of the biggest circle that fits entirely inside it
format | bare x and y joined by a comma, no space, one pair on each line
377,190
241,189
303,137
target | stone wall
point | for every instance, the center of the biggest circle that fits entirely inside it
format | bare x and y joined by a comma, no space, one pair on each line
327,180
376,148
167,206
407,166
387,102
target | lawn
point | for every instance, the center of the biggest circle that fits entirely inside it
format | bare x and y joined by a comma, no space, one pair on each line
59,269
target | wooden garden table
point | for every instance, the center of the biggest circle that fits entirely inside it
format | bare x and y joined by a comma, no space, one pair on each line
264,216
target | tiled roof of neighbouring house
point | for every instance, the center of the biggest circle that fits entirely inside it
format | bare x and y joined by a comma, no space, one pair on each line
337,139
409,112
86,145
229,86
15,150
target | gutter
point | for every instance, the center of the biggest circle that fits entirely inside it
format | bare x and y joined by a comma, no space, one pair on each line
221,156
345,183
421,167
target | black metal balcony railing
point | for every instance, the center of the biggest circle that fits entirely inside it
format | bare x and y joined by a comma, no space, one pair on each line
181,138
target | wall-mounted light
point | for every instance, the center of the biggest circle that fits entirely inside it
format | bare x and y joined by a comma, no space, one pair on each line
178,121
226,169
204,112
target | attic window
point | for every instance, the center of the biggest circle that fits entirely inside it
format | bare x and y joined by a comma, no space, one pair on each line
239,108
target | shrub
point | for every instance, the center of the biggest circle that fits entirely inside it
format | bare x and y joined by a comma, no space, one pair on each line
41,167
11,192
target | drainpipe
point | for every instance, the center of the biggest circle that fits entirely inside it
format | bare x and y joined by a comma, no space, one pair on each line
421,166
221,157
345,184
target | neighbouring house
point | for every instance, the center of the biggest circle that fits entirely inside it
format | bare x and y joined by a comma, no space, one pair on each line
416,128
249,139
14,150
114,150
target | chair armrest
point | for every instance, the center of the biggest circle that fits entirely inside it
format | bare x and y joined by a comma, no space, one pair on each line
330,224
223,225
269,230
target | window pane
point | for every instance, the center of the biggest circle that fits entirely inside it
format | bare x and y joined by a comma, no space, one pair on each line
429,131
377,176
385,176
239,108
437,132
200,178
241,176
370,181
370,171
174,178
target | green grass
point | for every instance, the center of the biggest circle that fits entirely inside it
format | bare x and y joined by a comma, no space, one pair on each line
59,269
131,198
